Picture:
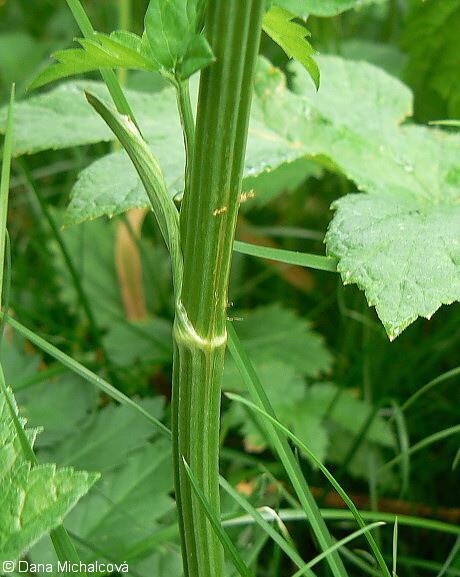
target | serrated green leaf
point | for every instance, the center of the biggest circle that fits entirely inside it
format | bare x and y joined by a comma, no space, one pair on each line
292,38
34,500
134,496
284,350
348,412
174,32
91,248
119,50
352,125
108,438
274,332
402,250
386,56
398,243
141,342
57,404
303,8
60,405
123,511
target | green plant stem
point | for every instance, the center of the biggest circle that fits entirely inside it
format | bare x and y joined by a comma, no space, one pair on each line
208,220
188,125
124,23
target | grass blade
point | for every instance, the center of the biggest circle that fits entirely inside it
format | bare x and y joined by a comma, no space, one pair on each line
286,455
84,372
426,442
324,470
450,558
433,383
228,546
337,546
395,548
5,185
403,437
344,515
265,525
315,261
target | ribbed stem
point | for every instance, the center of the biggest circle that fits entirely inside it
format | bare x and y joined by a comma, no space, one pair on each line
208,220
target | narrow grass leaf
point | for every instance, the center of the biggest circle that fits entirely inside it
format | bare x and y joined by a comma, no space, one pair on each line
84,372
344,515
337,546
426,442
227,544
264,524
403,437
5,186
324,470
314,261
450,558
426,388
395,548
451,122
281,445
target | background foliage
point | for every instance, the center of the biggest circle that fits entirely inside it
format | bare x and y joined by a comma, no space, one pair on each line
321,352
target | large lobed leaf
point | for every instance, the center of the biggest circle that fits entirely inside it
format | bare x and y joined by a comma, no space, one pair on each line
399,242
33,500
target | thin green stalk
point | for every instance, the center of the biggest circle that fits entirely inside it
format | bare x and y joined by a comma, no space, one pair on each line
368,395
283,544
208,220
188,125
451,558
84,372
109,76
125,10
315,261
